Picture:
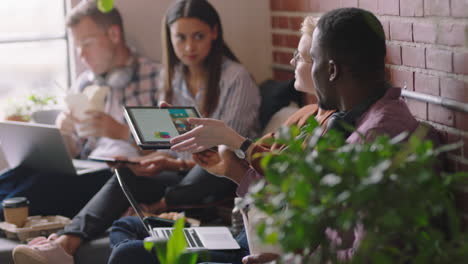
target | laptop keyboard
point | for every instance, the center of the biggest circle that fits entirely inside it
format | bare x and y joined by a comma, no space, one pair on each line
191,236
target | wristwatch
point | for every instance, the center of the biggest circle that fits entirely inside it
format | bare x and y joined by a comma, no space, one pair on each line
241,152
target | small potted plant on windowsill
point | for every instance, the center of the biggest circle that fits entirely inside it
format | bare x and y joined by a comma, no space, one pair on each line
21,109
15,111
389,186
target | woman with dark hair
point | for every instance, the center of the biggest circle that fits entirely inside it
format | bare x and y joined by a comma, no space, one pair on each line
201,71
182,60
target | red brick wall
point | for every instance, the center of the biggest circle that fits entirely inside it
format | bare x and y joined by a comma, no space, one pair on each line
427,50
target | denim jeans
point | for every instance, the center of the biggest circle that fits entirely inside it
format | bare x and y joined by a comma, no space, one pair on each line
179,188
126,239
51,193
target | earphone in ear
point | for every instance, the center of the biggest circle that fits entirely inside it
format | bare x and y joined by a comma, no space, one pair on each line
342,121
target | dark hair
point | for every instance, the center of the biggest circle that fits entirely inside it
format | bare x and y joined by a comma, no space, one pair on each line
205,12
354,37
89,9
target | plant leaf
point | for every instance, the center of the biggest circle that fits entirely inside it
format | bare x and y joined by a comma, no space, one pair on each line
105,6
177,243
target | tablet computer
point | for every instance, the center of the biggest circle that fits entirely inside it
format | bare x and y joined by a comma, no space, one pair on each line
154,127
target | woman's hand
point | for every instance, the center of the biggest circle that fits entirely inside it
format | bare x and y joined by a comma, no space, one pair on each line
208,133
135,160
153,166
222,163
171,216
164,104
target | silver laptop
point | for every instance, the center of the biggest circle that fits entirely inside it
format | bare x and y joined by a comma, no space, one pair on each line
42,148
211,238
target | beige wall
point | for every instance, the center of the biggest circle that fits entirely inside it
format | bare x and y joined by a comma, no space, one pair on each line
246,25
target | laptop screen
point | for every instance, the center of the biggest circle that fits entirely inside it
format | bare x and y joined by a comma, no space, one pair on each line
133,202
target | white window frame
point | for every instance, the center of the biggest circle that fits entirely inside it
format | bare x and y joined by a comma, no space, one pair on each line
50,37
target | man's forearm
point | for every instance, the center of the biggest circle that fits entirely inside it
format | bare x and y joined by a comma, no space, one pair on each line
123,132
237,170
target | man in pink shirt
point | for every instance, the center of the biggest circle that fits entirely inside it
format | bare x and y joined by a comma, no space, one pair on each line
348,53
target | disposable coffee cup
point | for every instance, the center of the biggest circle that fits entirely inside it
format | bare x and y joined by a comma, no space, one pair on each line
16,210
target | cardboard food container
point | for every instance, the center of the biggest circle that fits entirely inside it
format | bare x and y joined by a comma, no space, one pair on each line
35,226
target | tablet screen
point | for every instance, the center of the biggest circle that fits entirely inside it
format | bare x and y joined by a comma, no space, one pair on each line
160,124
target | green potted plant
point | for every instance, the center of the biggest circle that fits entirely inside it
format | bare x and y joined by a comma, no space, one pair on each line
389,185
15,110
21,109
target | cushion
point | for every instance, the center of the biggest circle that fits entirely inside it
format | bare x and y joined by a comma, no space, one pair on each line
276,95
280,117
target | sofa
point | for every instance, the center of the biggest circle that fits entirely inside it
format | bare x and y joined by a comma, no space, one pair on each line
279,101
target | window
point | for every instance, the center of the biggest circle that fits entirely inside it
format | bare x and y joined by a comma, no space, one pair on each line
33,49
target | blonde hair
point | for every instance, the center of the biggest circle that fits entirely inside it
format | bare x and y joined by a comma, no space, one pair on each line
308,25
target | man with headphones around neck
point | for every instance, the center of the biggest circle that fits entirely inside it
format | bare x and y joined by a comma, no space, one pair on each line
100,44
132,80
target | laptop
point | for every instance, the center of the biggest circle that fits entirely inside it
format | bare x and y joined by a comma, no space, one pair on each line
211,238
42,148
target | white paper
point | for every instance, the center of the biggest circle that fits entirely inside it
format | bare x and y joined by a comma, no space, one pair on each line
91,99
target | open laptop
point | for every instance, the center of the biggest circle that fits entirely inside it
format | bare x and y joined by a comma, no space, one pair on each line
212,238
42,148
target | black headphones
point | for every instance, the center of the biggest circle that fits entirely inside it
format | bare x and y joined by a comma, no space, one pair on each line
345,121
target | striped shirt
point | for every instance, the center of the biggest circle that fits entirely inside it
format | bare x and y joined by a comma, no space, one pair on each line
142,90
239,99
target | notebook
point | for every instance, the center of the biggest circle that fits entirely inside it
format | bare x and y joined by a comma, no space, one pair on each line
42,148
211,238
